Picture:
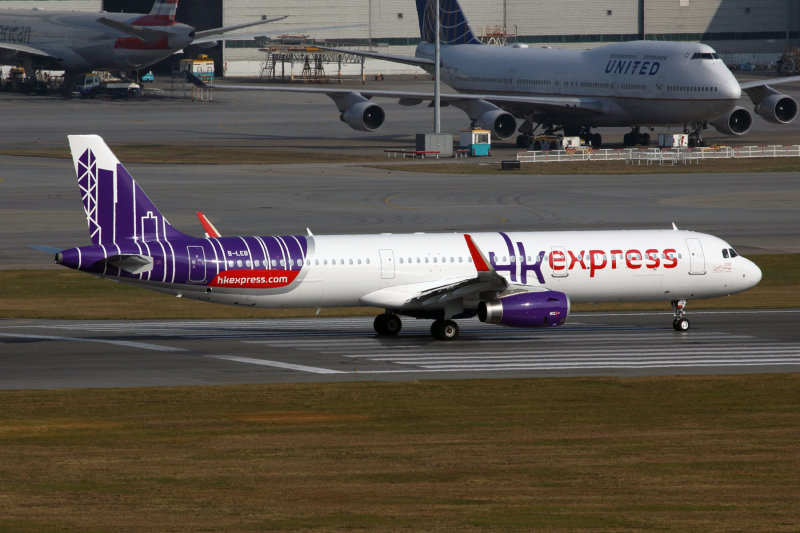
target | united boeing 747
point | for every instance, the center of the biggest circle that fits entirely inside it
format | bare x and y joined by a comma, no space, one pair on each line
515,279
636,85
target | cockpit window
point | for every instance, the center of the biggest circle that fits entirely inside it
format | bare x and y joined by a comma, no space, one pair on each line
733,252
725,253
705,55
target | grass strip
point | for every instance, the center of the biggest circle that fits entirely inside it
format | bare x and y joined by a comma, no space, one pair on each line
714,453
256,154
206,155
789,164
65,294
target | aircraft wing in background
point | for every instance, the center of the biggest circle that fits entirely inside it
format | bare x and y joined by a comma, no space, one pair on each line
216,34
30,50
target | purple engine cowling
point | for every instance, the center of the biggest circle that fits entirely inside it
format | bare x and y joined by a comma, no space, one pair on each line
526,310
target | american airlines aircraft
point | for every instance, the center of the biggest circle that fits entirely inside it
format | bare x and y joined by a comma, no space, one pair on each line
516,279
637,84
78,42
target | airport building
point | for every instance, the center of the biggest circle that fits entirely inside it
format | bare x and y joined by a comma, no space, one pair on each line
742,31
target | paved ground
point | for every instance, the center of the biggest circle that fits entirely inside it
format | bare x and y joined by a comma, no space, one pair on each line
56,354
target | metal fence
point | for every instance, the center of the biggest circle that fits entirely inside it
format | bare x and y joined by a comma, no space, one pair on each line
658,156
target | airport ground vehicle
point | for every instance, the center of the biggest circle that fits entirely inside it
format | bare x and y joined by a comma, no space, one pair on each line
90,85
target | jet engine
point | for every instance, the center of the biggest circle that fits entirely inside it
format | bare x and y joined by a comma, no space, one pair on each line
738,122
358,112
364,116
777,108
501,124
526,309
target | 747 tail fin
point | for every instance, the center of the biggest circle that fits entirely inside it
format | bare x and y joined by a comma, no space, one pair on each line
454,26
116,208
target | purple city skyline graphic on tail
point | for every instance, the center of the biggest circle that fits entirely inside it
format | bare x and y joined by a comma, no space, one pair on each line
132,239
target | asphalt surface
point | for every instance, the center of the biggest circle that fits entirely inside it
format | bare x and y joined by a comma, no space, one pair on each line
39,205
75,354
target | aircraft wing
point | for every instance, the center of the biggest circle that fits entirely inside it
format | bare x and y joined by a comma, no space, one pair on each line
759,89
438,293
417,61
24,49
772,81
518,105
212,35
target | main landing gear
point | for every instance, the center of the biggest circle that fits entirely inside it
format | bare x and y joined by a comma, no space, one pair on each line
680,323
389,324
695,135
634,138
444,330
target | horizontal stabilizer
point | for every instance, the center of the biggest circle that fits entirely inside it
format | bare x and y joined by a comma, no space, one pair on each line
133,264
146,35
48,249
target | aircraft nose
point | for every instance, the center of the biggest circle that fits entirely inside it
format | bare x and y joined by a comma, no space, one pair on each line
751,273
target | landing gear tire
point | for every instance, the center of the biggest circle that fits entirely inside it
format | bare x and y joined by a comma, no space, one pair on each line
597,141
627,139
387,324
644,139
681,324
444,330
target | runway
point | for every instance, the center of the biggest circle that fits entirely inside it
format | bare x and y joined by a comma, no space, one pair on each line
78,354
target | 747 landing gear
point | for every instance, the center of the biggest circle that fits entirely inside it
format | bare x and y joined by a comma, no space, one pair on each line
680,323
387,324
635,138
695,135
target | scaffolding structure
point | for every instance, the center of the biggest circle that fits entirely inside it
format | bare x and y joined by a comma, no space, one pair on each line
297,50
496,35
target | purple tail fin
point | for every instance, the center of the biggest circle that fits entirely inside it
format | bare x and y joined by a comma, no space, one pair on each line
116,208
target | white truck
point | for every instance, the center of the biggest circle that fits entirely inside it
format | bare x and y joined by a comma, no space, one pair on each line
90,85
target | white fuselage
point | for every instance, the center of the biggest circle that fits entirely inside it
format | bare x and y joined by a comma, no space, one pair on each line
387,270
640,82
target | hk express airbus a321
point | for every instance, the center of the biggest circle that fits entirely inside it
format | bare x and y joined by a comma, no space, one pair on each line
636,84
518,279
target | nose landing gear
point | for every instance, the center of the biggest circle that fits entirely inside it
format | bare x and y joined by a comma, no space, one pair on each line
680,323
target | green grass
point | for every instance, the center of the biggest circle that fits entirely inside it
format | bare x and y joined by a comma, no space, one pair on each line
65,294
207,155
262,154
683,453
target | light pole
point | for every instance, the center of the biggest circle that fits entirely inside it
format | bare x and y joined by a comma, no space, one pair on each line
437,127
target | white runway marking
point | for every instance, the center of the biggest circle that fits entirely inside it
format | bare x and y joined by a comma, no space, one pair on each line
131,344
276,364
